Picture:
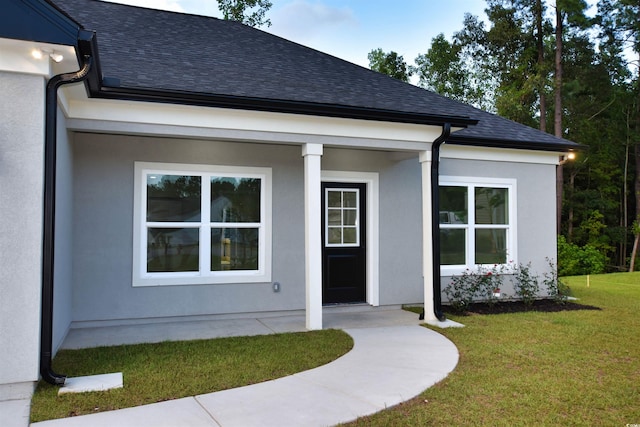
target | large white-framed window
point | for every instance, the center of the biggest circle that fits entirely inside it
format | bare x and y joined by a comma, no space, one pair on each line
477,222
201,224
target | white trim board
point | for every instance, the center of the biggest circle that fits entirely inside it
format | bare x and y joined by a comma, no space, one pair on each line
499,155
387,134
373,220
204,276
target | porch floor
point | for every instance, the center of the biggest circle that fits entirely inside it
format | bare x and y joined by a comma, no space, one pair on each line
334,317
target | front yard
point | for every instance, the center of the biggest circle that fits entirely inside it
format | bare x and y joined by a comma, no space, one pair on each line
565,368
543,368
171,370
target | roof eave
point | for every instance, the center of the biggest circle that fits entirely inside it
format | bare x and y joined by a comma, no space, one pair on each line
561,147
114,91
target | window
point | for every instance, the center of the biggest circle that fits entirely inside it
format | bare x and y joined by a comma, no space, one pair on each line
199,224
477,222
342,211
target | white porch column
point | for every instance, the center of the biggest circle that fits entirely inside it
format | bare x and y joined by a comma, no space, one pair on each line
427,237
312,154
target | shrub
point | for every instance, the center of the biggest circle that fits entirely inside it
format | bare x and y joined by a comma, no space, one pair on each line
556,288
525,284
574,260
487,282
461,291
464,289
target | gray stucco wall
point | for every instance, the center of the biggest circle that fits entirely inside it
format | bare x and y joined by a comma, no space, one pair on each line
21,157
103,218
400,216
401,234
536,219
103,224
63,274
103,175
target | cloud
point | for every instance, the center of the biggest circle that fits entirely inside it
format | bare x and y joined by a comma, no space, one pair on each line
304,20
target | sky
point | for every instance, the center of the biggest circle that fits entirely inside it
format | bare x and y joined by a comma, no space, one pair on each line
350,29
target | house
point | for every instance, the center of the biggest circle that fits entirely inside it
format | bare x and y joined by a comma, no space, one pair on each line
163,165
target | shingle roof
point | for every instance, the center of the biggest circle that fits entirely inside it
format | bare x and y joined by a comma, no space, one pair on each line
152,50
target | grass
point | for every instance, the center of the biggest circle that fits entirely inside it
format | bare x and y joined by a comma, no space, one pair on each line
171,370
555,369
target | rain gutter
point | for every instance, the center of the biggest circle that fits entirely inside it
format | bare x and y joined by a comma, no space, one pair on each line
435,220
87,59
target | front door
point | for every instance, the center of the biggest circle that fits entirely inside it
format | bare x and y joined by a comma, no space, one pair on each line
344,242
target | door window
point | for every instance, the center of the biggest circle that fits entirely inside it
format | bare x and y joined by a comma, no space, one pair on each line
342,213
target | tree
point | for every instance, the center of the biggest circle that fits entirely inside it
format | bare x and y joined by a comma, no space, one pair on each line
249,12
441,69
539,12
513,43
457,69
391,64
533,51
573,11
620,21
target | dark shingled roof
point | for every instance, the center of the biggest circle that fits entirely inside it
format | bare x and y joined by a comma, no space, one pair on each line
165,52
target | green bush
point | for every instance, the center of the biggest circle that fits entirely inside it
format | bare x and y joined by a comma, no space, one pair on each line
574,260
525,284
470,286
557,289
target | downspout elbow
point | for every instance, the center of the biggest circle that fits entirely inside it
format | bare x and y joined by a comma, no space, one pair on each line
48,239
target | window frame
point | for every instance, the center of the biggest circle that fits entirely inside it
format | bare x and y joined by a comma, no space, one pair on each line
204,276
342,225
471,183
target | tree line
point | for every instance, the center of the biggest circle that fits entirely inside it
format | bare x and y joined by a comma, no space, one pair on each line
554,66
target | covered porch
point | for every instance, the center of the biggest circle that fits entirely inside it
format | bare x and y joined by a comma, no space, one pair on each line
95,334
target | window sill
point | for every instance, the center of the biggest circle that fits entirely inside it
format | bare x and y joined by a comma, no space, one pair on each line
225,278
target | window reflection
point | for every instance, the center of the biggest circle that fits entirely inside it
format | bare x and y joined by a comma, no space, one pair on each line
452,247
173,198
491,246
453,205
234,249
235,199
491,206
172,249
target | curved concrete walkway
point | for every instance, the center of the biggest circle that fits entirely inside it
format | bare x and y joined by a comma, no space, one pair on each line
388,365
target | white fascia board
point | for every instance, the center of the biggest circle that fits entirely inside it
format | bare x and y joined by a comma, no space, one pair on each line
16,57
349,132
465,152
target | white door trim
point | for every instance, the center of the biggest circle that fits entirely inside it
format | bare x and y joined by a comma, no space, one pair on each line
371,179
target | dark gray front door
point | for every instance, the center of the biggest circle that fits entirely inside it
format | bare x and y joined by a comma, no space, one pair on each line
344,242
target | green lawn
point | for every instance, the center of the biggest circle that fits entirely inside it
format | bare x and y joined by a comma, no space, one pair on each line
568,368
171,370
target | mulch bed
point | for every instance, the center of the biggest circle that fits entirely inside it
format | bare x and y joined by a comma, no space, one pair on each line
544,305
